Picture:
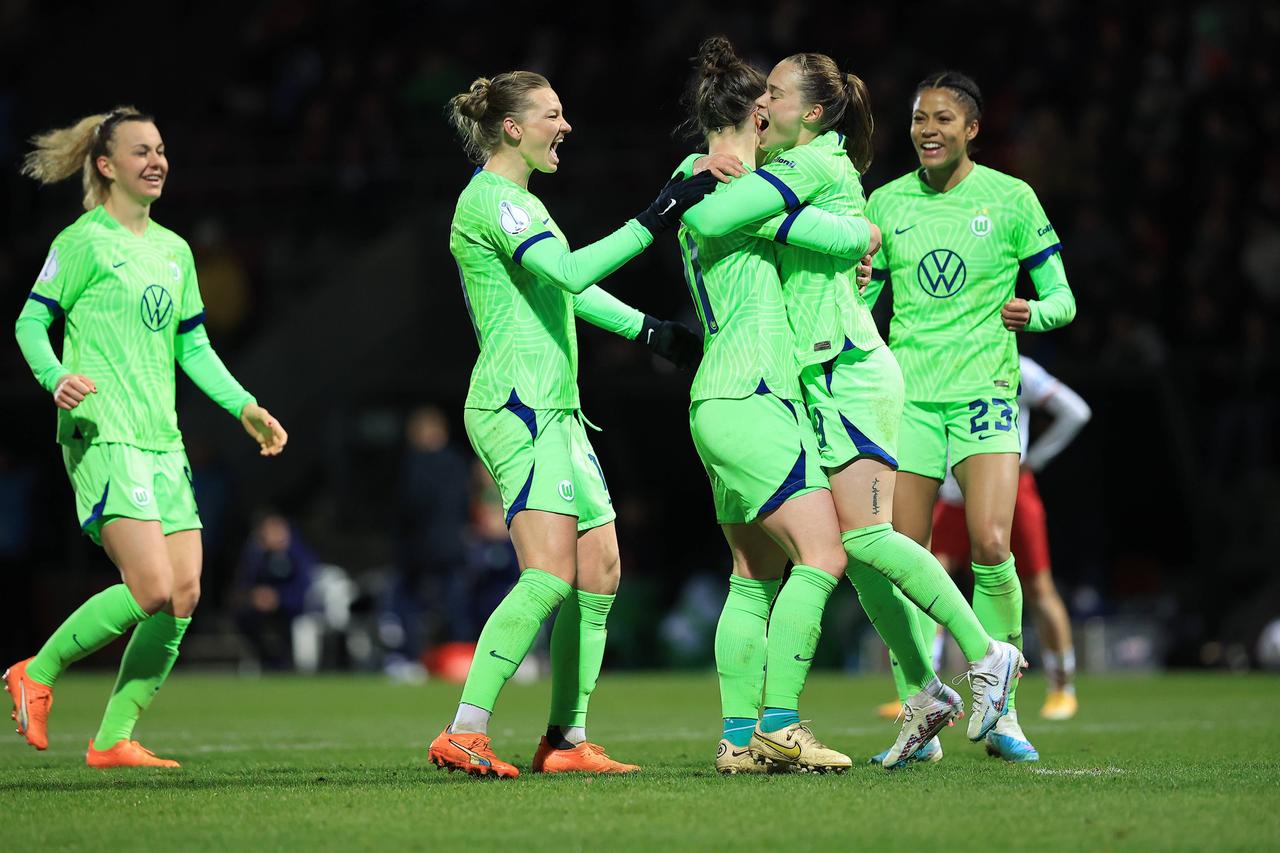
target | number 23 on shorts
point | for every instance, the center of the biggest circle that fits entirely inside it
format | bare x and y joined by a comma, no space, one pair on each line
1000,411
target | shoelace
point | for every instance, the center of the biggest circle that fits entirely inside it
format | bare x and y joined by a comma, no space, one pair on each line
143,748
985,678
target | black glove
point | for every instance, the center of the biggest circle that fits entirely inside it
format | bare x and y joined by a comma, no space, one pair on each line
675,342
676,197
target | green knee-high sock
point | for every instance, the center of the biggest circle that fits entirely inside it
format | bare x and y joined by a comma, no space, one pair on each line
893,617
147,662
997,599
95,623
794,629
577,651
509,633
927,630
922,579
741,643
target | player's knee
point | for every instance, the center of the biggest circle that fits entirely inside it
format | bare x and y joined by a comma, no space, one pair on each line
185,598
152,592
990,546
831,560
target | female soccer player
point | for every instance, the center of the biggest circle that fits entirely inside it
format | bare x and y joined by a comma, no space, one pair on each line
853,390
522,287
1029,538
955,235
771,497
127,287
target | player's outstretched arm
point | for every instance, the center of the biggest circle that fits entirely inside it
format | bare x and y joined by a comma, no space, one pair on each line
748,199
673,341
575,271
808,227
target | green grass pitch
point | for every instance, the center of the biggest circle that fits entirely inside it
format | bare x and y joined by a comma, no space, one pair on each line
1175,762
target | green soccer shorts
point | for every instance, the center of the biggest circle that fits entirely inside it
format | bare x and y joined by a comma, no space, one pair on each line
855,405
932,433
758,451
113,480
541,459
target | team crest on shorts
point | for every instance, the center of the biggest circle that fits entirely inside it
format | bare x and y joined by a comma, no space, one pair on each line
141,496
566,490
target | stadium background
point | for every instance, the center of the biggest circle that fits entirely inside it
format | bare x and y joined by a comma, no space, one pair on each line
315,177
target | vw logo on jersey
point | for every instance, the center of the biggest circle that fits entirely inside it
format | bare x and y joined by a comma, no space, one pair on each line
513,218
980,225
157,307
941,273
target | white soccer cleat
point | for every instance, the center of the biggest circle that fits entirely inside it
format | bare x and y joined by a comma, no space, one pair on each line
990,680
1008,742
925,715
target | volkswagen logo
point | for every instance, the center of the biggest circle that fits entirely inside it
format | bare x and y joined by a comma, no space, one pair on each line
941,273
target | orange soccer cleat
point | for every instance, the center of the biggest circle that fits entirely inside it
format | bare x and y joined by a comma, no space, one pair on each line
31,703
583,758
126,753
470,752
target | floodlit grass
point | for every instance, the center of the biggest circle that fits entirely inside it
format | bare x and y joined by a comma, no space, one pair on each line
1176,762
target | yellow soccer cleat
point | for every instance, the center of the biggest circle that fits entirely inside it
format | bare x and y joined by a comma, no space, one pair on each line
796,748
1059,705
733,760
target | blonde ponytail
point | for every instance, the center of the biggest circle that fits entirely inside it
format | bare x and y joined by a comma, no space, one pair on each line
60,153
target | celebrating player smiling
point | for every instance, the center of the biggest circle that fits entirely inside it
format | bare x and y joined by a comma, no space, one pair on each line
771,497
955,235
522,288
127,287
853,392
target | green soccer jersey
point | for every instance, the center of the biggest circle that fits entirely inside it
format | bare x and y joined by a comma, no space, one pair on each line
824,309
127,299
525,326
734,284
952,260
522,287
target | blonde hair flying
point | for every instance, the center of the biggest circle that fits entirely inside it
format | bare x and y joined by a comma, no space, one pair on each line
60,153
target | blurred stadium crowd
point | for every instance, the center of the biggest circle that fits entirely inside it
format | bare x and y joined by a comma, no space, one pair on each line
314,176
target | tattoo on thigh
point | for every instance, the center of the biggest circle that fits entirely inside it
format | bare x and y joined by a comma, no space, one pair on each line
875,496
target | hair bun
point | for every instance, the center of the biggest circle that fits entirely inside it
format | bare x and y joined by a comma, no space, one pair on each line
716,56
475,102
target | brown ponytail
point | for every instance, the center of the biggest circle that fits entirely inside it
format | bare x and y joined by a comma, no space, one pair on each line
845,101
